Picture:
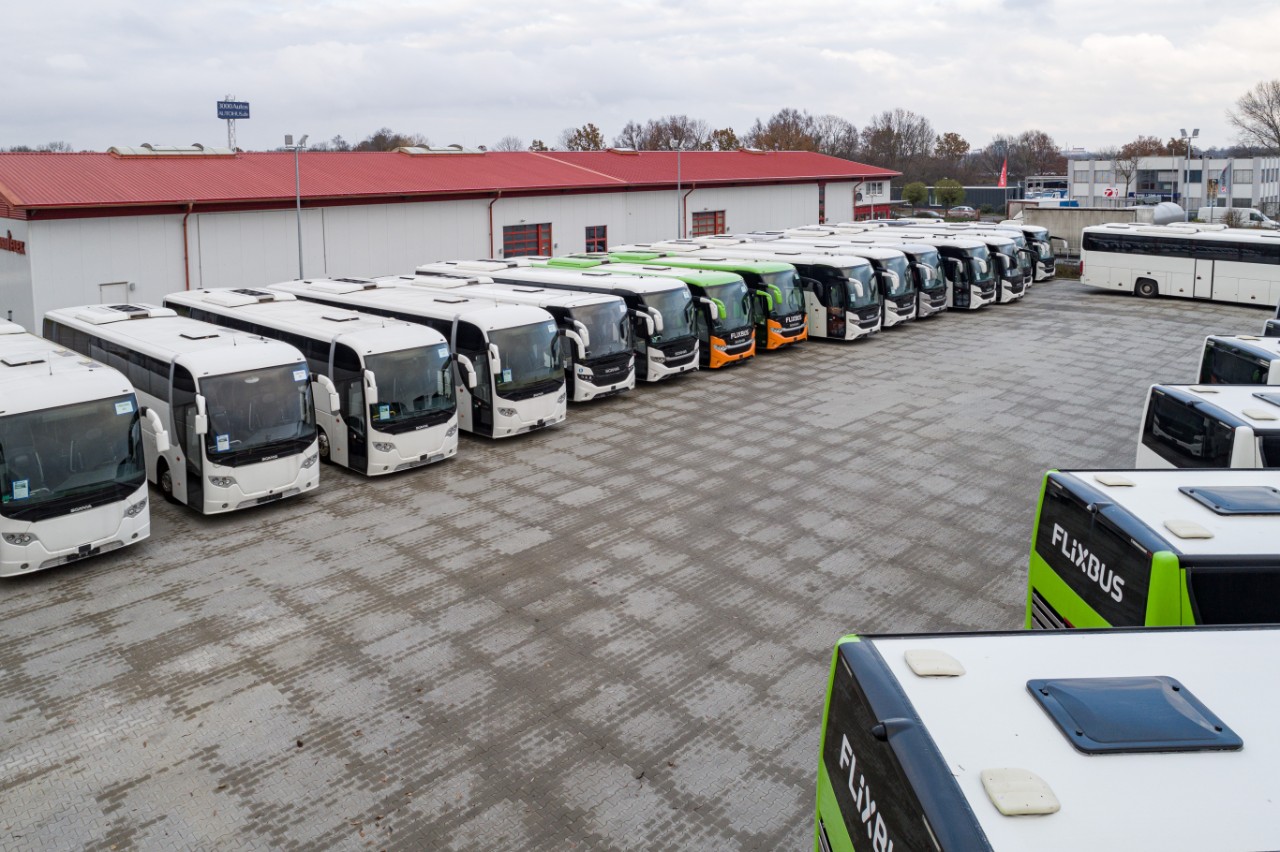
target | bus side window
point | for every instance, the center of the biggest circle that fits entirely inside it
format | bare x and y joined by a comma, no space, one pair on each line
471,343
700,323
1184,437
184,412
348,378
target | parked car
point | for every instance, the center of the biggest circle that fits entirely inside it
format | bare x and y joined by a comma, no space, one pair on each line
967,212
926,214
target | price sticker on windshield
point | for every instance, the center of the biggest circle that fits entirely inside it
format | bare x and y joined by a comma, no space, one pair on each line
384,412
20,489
223,443
299,375
443,352
506,374
125,407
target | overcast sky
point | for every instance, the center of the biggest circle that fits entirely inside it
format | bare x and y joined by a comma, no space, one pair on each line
1089,72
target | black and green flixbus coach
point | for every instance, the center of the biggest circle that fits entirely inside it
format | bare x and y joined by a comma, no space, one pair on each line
1034,741
1156,547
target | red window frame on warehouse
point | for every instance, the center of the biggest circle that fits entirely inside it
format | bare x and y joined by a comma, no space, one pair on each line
526,239
707,223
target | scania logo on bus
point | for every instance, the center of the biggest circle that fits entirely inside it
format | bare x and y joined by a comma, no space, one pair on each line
80,508
270,458
1093,568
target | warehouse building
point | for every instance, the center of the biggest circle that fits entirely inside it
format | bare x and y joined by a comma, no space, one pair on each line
136,223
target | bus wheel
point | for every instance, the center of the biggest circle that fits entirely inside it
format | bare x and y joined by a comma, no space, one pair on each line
323,440
1146,288
165,480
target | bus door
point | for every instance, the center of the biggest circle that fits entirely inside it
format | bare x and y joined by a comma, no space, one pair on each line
825,296
475,405
1204,279
348,378
187,478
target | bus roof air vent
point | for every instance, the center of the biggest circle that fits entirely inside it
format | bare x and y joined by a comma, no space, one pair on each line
341,317
450,300
1113,480
240,298
929,662
18,360
1127,715
101,314
1019,792
11,328
1236,499
1269,396
1259,414
529,289
199,335
1187,529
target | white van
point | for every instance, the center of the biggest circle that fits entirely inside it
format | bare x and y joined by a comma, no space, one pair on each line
1250,217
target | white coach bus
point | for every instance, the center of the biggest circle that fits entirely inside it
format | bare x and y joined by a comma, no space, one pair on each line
395,406
73,475
513,349
1243,359
237,405
1207,262
599,361
1210,426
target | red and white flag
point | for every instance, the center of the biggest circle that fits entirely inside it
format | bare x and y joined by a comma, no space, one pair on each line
1004,173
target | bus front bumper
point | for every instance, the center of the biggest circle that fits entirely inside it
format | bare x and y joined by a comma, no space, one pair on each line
413,449
58,541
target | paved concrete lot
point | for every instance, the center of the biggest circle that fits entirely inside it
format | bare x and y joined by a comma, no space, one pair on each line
610,635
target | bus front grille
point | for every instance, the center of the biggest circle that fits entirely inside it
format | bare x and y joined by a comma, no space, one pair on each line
1043,616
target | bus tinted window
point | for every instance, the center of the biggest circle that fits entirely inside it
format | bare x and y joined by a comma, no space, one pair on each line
1183,436
1260,253
1216,250
863,770
1269,448
1224,366
1094,558
1235,595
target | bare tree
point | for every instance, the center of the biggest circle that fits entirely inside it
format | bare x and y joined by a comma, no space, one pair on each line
898,139
1126,160
386,139
835,136
724,139
509,143
632,136
538,145
1257,115
585,138
1038,154
788,129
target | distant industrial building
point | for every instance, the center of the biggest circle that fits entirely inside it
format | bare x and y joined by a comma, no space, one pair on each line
1250,182
136,223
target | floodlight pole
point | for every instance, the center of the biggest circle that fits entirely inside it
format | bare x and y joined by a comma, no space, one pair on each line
297,188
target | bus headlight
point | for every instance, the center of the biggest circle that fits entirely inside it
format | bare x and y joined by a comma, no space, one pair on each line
657,357
20,539
310,461
561,397
136,509
222,481
384,446
719,347
507,412
453,430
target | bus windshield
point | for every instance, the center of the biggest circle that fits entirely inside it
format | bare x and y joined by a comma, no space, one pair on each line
980,265
934,262
676,308
607,326
1234,594
415,388
734,305
787,298
528,358
903,284
1043,249
258,413
863,289
70,457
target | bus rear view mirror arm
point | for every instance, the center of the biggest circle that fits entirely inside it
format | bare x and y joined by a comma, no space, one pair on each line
585,336
370,388
202,416
577,341
711,307
335,404
157,426
648,322
657,318
465,365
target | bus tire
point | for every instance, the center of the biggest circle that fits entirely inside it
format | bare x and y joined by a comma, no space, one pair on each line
1146,288
322,439
164,479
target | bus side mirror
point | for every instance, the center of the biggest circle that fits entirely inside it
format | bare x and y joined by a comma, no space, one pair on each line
768,301
157,427
202,416
326,384
577,341
648,322
892,278
711,307
370,388
656,317
926,271
465,365
1244,448
584,336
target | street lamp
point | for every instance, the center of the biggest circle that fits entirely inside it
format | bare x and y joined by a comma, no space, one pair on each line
1186,169
679,146
297,187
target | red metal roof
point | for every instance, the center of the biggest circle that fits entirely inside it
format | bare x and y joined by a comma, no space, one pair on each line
36,181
